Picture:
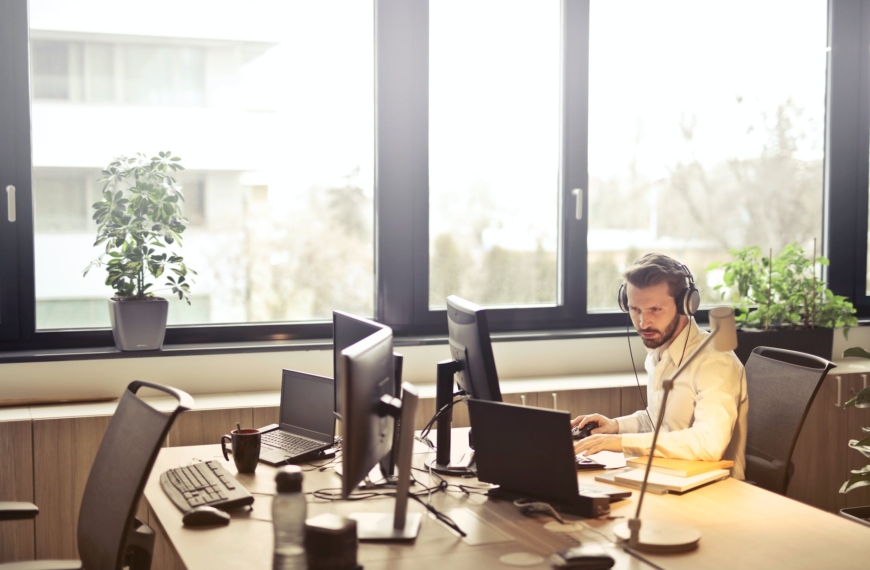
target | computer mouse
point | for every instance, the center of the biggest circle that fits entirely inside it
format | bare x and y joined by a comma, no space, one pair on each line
204,516
578,433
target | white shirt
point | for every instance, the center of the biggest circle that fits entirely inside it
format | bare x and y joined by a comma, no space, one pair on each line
707,408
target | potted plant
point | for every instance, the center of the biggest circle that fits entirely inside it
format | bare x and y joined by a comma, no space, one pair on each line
781,301
138,219
859,477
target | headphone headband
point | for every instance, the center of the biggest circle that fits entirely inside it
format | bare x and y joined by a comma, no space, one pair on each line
688,300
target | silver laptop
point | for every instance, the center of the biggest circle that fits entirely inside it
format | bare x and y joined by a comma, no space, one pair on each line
307,424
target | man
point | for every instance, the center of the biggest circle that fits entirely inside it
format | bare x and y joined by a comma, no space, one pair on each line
707,408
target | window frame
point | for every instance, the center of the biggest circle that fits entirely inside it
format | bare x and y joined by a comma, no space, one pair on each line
401,238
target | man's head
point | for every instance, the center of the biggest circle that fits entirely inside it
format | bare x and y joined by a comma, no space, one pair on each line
653,286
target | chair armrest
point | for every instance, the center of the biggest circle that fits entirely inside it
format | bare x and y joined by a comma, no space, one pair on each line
17,511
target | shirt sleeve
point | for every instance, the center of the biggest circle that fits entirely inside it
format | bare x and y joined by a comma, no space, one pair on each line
717,383
637,422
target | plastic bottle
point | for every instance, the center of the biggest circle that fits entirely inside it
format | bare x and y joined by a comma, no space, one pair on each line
288,518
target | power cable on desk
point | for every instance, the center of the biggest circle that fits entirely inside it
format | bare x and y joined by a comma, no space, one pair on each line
428,427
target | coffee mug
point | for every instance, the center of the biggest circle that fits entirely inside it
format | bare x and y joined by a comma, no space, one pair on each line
245,448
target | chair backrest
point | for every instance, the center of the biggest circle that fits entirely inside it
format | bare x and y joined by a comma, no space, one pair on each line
117,478
781,385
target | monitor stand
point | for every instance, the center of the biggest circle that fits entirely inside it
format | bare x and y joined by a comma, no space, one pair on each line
447,370
400,525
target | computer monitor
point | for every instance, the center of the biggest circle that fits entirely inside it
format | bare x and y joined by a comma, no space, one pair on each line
472,368
348,330
370,412
470,346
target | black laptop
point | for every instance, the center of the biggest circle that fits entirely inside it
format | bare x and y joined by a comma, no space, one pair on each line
529,453
307,424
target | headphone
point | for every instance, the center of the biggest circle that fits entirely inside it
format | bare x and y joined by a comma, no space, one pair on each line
687,301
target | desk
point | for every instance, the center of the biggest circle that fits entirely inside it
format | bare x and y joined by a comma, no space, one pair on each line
742,527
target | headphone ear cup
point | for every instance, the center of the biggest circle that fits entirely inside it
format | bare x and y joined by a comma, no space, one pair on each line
622,299
692,299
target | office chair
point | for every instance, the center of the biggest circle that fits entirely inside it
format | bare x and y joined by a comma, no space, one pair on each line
781,386
109,534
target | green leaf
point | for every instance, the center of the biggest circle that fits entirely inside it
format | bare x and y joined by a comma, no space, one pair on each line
859,478
861,399
857,352
863,446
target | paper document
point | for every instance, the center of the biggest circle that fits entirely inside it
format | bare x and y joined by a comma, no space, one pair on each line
610,459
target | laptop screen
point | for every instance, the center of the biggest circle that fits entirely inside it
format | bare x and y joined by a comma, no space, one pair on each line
306,404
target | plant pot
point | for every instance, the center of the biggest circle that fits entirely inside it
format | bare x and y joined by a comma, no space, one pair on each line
138,324
857,514
818,342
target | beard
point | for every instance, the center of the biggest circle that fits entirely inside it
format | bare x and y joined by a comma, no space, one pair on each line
664,336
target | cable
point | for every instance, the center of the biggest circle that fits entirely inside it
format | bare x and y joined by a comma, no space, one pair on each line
428,428
633,367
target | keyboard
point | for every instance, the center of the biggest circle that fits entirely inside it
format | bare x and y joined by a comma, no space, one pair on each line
292,444
204,483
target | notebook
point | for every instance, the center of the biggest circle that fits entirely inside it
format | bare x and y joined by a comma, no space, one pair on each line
679,467
307,424
529,453
670,483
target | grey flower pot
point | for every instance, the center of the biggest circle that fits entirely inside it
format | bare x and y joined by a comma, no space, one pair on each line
138,325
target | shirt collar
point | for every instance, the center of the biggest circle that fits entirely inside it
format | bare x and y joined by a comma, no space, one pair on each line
675,347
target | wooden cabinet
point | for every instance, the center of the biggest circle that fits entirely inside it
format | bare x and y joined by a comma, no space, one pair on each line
822,457
63,453
16,484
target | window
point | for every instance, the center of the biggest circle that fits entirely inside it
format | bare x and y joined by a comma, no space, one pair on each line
378,156
703,137
279,193
494,151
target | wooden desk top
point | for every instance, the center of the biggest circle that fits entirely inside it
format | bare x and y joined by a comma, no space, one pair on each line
742,527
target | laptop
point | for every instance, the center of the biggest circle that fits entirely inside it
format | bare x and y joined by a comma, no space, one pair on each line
529,453
307,424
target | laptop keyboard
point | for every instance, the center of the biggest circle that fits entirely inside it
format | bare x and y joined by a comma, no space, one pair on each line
293,444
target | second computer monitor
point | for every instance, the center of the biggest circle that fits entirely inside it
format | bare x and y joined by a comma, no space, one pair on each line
470,346
347,330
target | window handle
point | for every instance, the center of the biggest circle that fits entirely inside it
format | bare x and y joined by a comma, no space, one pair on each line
839,402
555,396
10,200
864,378
578,208
522,399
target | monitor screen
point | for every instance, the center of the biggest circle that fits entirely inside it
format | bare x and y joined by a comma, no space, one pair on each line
347,330
306,404
366,375
470,346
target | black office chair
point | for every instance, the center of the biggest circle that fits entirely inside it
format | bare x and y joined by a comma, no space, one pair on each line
781,386
109,534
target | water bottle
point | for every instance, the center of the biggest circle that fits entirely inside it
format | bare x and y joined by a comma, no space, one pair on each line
288,518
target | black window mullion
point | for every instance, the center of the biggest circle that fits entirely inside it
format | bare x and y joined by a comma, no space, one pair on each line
846,148
16,250
401,160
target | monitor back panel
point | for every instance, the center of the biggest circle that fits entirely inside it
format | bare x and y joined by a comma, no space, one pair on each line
524,450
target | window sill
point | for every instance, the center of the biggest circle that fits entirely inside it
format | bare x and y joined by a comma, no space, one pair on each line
102,353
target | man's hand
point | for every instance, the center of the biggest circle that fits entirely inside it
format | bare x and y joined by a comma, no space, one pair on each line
596,443
605,424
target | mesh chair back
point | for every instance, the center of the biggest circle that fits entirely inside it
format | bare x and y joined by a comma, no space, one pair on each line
781,385
117,478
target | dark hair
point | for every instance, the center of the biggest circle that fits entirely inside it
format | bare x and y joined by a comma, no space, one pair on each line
655,268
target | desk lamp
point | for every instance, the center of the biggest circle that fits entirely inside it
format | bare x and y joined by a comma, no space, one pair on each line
660,536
